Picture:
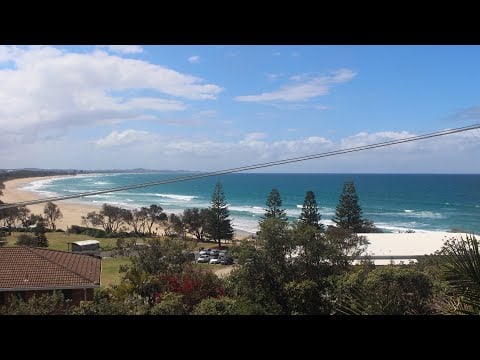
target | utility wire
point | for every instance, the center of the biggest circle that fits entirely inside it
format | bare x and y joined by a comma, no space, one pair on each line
250,167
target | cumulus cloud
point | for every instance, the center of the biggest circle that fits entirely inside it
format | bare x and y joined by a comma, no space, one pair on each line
123,138
49,87
194,59
304,90
125,49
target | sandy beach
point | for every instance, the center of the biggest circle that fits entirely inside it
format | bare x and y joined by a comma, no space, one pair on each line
72,211
405,246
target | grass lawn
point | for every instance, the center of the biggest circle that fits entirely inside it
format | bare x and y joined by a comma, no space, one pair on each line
59,240
211,267
110,274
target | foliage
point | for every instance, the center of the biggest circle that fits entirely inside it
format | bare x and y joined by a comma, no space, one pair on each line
108,302
154,215
37,240
347,245
170,304
304,297
310,215
26,240
110,218
39,232
218,225
52,214
194,284
386,290
137,219
261,280
98,233
25,217
227,306
175,226
462,271
195,221
9,217
274,203
348,214
53,304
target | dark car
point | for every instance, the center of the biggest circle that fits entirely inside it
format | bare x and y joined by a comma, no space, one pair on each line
227,260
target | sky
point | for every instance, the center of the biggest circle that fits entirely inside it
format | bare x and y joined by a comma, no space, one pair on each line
209,108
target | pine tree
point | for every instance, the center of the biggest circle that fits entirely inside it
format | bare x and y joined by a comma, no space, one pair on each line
310,215
39,231
218,223
274,203
348,214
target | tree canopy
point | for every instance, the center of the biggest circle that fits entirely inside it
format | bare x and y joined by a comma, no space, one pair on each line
218,225
310,214
274,203
348,213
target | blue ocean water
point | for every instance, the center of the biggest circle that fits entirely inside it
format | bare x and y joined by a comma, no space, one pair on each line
393,202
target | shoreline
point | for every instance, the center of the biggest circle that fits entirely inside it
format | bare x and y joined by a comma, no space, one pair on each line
72,210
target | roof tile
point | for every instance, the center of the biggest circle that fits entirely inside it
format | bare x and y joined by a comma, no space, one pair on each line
26,267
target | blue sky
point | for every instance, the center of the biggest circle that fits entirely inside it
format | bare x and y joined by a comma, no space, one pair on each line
213,107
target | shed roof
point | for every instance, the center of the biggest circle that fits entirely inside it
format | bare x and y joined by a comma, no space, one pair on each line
85,242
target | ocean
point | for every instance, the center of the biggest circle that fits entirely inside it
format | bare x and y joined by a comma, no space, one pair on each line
393,202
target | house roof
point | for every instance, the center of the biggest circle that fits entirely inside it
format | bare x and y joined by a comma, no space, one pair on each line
35,268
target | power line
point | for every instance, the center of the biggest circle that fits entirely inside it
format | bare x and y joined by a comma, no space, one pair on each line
250,167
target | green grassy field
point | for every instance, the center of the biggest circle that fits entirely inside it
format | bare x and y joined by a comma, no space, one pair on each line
110,267
60,240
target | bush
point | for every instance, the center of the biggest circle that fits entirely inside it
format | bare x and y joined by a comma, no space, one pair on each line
26,240
97,233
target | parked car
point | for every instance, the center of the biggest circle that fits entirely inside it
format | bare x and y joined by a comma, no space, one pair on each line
226,260
215,252
203,259
204,252
215,260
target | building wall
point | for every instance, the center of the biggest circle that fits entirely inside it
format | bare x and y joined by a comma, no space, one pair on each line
78,295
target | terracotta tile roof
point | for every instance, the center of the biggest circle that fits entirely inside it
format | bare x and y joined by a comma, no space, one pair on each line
36,268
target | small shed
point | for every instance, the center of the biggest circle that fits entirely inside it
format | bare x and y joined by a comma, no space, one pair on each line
84,247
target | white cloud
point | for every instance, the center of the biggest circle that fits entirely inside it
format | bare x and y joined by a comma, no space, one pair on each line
254,136
122,138
305,90
274,77
194,59
364,138
136,148
49,87
207,113
125,49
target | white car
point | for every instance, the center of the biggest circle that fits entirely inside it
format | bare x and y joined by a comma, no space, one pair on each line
215,260
203,259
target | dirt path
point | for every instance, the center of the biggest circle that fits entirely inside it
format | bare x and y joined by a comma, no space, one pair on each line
221,273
